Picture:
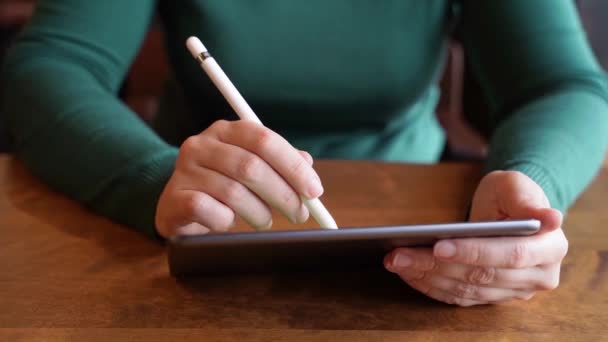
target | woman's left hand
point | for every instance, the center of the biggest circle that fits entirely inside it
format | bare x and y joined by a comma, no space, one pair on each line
477,271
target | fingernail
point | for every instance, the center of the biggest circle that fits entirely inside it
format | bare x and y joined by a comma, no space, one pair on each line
292,218
445,249
315,189
234,222
402,260
302,215
266,227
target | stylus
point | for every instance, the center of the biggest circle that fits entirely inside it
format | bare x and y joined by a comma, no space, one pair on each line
242,109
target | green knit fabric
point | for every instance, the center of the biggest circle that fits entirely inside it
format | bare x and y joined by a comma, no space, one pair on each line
341,79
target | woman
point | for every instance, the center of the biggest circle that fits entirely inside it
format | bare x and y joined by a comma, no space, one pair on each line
344,79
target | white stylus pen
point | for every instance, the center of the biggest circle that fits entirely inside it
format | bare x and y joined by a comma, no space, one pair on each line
242,109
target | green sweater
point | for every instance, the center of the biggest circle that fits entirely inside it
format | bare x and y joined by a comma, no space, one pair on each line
341,79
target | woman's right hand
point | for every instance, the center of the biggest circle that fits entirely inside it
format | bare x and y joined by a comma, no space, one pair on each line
235,168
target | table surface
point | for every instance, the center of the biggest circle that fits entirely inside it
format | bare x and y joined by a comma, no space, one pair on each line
68,274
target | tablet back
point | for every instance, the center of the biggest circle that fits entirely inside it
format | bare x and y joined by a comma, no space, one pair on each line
316,249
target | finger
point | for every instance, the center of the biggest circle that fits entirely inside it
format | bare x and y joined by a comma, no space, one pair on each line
551,279
410,258
516,192
307,157
234,195
511,278
441,295
551,219
250,170
522,198
504,252
475,292
192,229
200,208
277,152
421,261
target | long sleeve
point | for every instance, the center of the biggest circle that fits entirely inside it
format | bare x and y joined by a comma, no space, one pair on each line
547,94
66,123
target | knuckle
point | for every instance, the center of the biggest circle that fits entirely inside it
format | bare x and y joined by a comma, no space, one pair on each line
481,275
196,204
234,192
472,252
219,125
249,168
189,146
191,154
430,265
516,258
465,290
264,139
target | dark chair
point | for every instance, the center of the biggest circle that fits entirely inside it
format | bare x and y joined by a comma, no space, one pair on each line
7,35
13,15
462,109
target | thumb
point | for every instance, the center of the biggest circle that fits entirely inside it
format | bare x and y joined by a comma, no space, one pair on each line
550,219
522,198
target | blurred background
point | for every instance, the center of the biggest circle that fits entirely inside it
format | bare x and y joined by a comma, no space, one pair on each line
461,108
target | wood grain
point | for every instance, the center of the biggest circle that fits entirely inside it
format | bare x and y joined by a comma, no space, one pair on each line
68,274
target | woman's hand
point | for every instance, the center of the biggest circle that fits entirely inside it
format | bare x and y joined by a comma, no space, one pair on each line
231,169
476,271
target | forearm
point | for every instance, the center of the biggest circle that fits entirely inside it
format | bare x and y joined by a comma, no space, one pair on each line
80,139
548,97
559,140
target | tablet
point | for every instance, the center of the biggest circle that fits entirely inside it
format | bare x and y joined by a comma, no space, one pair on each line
317,249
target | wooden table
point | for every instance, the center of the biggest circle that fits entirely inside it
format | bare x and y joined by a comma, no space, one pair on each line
68,274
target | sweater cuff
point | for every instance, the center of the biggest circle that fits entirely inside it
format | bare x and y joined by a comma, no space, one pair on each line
152,183
135,194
